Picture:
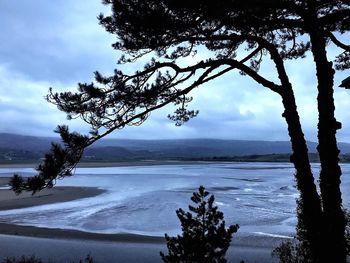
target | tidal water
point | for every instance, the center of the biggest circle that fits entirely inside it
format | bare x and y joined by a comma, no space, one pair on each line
260,197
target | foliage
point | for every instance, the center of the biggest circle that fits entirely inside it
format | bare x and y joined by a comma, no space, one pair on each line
204,237
58,163
295,252
292,252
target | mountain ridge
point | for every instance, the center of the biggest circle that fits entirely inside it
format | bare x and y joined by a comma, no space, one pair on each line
24,147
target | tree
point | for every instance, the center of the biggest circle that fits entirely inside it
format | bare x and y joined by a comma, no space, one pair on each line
238,35
204,237
294,252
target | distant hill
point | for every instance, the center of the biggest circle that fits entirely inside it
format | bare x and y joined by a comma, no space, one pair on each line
24,142
30,148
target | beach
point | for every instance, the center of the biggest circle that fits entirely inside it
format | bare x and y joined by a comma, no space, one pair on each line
72,250
62,246
66,245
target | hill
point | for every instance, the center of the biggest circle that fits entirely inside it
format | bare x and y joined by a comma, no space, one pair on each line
21,148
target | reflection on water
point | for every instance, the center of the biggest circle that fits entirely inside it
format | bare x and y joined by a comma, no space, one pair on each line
260,197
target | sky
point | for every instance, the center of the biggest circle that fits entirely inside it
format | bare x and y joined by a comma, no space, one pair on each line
59,43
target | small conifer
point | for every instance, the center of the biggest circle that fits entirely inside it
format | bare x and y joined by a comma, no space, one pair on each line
204,237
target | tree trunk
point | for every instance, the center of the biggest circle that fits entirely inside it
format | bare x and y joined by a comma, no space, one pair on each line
333,215
309,206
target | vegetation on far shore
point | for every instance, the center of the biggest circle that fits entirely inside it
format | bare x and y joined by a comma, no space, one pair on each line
276,158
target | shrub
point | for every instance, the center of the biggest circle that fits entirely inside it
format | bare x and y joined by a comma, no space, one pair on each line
291,252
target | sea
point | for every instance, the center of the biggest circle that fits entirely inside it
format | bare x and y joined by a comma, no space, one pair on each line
260,197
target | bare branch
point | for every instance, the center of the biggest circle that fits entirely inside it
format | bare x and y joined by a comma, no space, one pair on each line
337,42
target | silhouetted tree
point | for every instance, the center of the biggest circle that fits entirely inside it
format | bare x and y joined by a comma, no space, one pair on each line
58,163
237,34
204,238
294,251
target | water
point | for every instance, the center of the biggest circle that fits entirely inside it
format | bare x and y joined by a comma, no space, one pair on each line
260,197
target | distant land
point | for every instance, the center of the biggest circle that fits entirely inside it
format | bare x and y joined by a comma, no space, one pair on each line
24,149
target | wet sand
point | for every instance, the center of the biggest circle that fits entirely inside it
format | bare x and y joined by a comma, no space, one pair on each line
31,231
64,250
62,245
55,245
9,200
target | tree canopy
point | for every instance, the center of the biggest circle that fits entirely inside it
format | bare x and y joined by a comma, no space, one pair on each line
229,35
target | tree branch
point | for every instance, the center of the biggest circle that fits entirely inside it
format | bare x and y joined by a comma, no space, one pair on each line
337,42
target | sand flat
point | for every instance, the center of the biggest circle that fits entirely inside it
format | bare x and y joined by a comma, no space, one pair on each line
9,200
32,231
63,250
125,247
4,181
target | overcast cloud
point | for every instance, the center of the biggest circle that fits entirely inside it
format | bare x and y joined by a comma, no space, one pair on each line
59,43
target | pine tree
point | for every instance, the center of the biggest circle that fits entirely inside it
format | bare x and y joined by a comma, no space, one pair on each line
204,237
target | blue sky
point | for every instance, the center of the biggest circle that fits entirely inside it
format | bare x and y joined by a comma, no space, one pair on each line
59,43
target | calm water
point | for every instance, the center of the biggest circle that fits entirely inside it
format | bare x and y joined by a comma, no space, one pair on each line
260,197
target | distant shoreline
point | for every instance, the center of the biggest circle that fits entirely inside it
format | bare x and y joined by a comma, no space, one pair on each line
266,158
114,164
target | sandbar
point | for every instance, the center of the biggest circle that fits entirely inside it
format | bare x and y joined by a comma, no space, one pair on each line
10,200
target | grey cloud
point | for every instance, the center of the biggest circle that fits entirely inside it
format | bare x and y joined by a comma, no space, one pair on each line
59,43
48,40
